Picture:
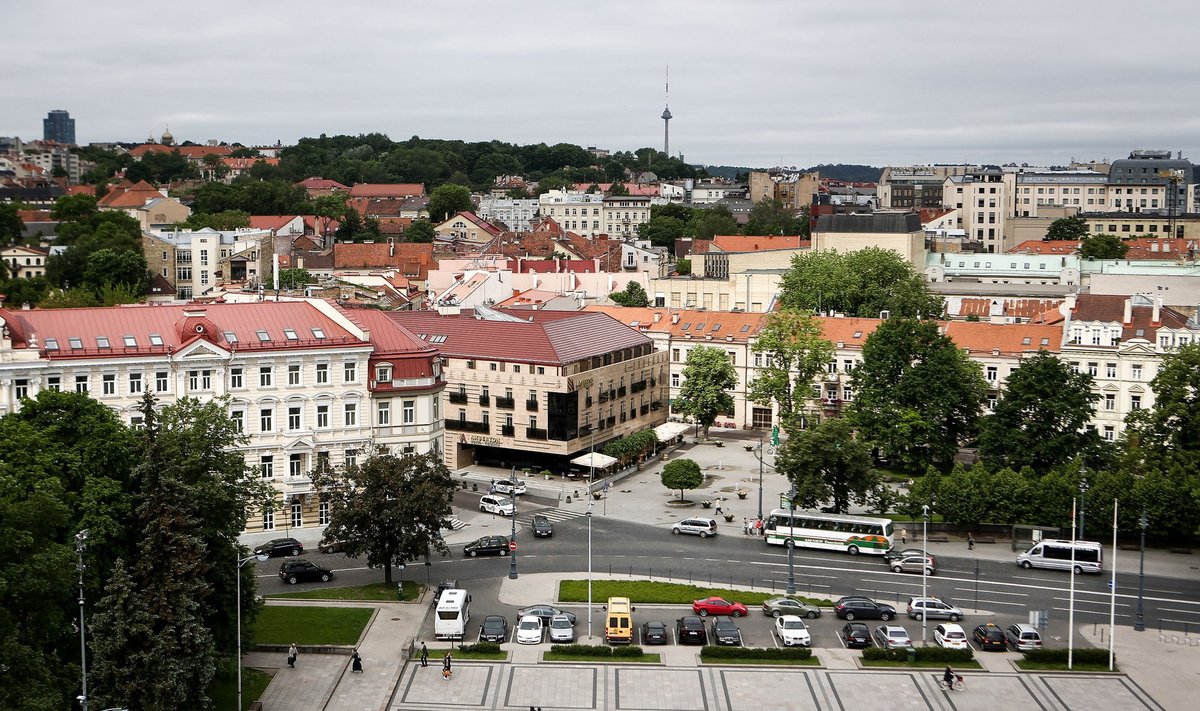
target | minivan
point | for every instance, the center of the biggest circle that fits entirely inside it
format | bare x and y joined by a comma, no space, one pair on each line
618,621
703,527
1023,638
1085,556
933,608
496,504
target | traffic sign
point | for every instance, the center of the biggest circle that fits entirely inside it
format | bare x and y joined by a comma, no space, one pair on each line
512,545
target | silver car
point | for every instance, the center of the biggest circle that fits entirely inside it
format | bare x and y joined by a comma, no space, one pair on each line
561,629
892,637
703,527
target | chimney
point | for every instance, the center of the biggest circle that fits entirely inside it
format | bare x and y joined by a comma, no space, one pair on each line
657,317
1128,312
1156,315
391,247
674,318
1154,245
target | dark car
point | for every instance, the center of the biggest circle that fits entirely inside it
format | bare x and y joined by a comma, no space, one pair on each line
725,631
444,585
545,612
897,554
493,629
295,571
690,630
280,546
990,637
862,608
487,545
856,635
542,528
654,633
331,546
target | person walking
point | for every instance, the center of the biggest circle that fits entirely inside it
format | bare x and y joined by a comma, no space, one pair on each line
424,655
745,526
293,652
356,662
718,507
970,541
447,672
758,527
903,536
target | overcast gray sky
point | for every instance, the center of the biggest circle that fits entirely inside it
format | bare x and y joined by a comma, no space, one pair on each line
752,82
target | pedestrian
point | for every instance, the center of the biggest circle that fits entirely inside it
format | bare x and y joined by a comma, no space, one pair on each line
745,526
970,541
718,507
446,671
293,652
424,655
356,662
903,535
758,527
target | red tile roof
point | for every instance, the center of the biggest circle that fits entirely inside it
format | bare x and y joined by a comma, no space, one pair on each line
749,243
979,337
387,190
1019,308
321,184
1160,248
714,325
134,196
247,163
1037,246
413,260
643,319
1110,308
634,189
270,222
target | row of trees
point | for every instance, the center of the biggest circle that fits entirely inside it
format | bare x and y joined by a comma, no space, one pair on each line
673,221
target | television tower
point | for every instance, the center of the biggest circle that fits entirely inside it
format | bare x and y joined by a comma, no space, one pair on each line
666,117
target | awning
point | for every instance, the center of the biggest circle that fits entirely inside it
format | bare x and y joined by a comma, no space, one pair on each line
594,460
668,431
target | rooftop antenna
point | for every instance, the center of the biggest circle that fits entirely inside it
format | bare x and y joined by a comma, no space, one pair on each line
666,116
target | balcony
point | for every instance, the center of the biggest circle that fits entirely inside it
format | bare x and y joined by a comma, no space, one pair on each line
612,394
467,426
587,401
458,398
610,422
637,387
585,430
507,430
621,391
534,433
603,397
645,409
485,400
531,405
506,402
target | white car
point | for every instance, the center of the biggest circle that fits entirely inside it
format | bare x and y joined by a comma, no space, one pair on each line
497,504
950,636
792,631
516,487
529,630
562,629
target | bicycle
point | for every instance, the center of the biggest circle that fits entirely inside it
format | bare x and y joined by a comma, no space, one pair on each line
958,685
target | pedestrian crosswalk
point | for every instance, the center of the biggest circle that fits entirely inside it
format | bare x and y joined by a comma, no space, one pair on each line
552,514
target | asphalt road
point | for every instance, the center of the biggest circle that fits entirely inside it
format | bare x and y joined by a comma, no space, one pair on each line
1002,592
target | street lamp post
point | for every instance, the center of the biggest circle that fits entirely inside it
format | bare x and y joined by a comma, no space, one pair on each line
761,452
589,518
924,566
791,545
240,562
1139,622
79,546
1083,490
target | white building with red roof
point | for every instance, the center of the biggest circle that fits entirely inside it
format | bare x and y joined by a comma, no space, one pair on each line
309,383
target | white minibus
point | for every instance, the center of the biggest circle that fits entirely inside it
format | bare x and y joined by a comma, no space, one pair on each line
1085,556
453,614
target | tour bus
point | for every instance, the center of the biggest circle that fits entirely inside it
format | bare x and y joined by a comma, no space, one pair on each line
453,614
1085,556
831,532
618,622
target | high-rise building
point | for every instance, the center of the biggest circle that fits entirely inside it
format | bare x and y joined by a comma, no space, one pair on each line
58,126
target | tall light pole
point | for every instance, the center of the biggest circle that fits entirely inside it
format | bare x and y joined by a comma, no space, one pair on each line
589,518
512,553
791,545
1083,490
79,546
1139,622
240,562
924,566
761,452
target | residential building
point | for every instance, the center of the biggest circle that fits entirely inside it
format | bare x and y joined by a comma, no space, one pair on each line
467,231
792,188
515,214
621,215
578,212
24,262
316,187
190,259
734,254
900,232
916,187
1011,268
982,198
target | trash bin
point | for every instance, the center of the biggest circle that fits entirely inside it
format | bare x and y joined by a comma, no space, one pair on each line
912,655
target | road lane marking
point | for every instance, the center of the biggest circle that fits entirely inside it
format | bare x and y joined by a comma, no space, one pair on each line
996,592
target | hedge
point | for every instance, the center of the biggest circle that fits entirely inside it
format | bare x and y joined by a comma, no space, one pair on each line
924,654
711,652
1058,655
482,648
594,650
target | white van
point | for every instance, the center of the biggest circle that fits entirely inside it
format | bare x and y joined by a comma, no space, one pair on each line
1086,556
453,614
496,504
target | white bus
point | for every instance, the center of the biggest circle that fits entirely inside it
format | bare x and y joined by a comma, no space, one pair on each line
453,614
1085,556
831,532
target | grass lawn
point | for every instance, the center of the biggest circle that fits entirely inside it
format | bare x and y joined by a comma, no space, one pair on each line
559,657
649,592
810,662
372,591
918,665
460,654
223,692
310,625
1062,666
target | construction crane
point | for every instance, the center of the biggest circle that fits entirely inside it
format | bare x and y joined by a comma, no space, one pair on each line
1174,177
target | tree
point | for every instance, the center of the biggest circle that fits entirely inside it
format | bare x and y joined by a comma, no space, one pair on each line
1102,247
795,351
351,228
714,221
969,497
683,267
1067,228
226,220
447,201
1042,418
11,225
294,278
708,378
618,190
662,231
420,231
329,208
682,474
389,508
918,396
632,295
862,283
107,266
825,463
770,217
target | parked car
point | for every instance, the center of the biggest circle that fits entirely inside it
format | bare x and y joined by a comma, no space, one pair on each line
301,570
892,637
654,633
778,606
915,564
494,629
856,634
279,546
529,630
331,546
444,585
690,630
933,608
862,608
1023,638
990,637
718,606
792,631
896,553
487,545
950,636
545,612
497,504
562,629
725,631
516,487
703,527
542,528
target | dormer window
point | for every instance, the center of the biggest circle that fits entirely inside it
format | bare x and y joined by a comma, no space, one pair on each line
102,342
155,339
262,335
290,334
130,341
231,337
75,341
51,344
318,333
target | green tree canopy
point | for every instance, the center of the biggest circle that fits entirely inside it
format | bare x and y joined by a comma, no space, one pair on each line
680,474
827,463
1103,247
108,266
420,231
716,220
770,217
862,283
294,278
708,377
448,200
795,351
917,396
11,225
632,295
662,231
227,220
1067,228
1041,420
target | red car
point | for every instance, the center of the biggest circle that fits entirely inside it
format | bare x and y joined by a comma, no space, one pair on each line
718,606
